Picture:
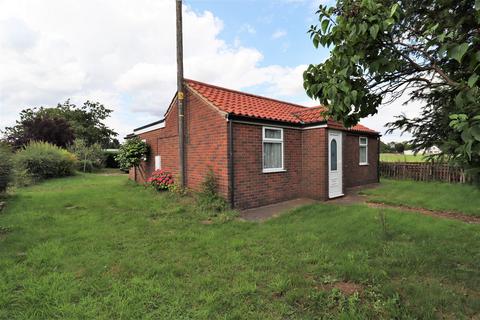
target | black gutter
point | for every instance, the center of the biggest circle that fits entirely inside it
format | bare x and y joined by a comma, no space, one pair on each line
149,125
230,161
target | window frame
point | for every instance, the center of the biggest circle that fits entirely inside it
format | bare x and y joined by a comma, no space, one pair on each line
360,146
330,149
273,140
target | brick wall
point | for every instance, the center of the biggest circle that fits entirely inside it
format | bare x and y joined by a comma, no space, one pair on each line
163,142
206,144
315,165
353,173
253,187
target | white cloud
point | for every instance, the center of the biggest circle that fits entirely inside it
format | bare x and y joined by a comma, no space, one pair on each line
279,34
122,53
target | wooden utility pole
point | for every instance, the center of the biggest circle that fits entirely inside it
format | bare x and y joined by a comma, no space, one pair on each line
180,94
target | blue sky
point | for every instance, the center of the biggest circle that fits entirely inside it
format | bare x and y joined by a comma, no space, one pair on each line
122,53
277,28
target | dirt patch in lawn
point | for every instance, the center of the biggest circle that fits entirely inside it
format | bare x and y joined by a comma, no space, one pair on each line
345,287
427,212
4,231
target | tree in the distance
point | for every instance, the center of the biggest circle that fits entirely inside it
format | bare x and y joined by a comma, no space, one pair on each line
56,131
399,147
382,49
86,122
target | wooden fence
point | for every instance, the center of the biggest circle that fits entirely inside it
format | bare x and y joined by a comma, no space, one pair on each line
422,171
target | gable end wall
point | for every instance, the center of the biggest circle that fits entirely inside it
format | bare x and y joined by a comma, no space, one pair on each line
205,145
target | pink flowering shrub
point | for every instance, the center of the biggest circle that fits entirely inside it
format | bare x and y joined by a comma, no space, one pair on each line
160,180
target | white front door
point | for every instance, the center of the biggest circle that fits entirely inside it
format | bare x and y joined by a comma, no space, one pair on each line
335,179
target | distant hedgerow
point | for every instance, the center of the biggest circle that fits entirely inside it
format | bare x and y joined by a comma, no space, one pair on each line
6,166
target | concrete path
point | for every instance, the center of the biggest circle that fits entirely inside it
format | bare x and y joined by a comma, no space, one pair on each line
273,210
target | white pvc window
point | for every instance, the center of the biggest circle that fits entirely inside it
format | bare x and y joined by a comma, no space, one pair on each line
158,162
363,147
272,149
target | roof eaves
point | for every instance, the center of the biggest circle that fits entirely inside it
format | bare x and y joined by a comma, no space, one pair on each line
148,125
201,97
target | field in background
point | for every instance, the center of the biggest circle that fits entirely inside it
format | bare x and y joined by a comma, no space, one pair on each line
396,157
97,246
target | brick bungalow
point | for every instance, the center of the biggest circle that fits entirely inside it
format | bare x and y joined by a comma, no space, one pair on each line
261,150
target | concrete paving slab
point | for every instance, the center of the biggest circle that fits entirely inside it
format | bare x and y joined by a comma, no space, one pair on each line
274,210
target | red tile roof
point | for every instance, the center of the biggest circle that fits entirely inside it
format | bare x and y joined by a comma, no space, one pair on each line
250,105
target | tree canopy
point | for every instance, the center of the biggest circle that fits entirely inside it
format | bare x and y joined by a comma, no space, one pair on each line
62,124
382,49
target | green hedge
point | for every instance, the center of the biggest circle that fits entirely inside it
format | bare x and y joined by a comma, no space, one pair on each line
6,166
42,160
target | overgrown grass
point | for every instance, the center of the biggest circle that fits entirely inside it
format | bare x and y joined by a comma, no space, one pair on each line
460,198
95,246
397,157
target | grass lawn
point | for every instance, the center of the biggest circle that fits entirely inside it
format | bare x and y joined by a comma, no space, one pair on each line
96,246
396,157
461,198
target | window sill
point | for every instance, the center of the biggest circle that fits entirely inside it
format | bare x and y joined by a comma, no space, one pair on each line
273,170
363,164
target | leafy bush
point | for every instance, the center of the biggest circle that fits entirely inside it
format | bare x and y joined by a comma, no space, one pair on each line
131,153
6,166
42,160
160,180
209,199
90,157
178,189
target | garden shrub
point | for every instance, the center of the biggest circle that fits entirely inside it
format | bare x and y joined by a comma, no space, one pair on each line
160,180
6,166
42,160
178,189
90,157
208,198
131,153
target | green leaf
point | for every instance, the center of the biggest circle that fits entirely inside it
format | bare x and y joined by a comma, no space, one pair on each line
354,94
363,28
459,100
394,9
441,37
315,41
473,79
374,31
475,131
325,24
389,22
458,52
466,135
477,5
